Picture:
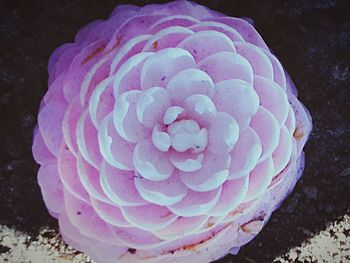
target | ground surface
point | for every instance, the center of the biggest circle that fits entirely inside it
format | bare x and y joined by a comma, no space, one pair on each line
311,38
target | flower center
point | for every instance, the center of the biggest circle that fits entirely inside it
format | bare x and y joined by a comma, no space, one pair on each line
180,134
186,134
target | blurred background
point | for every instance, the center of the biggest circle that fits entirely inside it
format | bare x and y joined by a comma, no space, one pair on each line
311,39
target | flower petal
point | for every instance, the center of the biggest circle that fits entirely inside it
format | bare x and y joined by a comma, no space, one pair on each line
196,203
93,77
281,156
291,121
267,128
134,237
237,98
220,27
90,179
172,60
258,59
151,106
41,153
109,213
128,76
83,216
87,140
80,66
189,82
246,30
227,65
167,37
119,186
212,174
245,154
125,118
148,217
166,192
67,170
172,114
69,124
130,28
233,193
151,163
133,46
168,21
50,125
116,151
214,42
272,97
223,134
259,179
182,226
51,186
161,139
101,101
200,108
186,161
278,71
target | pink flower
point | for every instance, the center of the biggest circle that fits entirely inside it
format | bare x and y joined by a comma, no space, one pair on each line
169,133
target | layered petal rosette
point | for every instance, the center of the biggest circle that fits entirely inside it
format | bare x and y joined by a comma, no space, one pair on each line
169,133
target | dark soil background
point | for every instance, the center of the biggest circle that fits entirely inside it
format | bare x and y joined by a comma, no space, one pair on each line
311,38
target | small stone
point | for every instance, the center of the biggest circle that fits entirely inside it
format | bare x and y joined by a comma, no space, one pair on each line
329,208
311,192
293,255
345,172
27,120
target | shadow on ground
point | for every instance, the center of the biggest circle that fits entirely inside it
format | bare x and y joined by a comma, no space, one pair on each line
312,40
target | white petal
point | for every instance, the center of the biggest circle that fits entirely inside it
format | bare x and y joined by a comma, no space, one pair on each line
167,37
223,134
125,118
257,58
233,193
166,192
172,114
272,97
134,46
186,161
196,203
159,68
213,173
119,186
151,163
189,82
227,65
220,27
128,75
178,20
151,106
246,30
238,98
200,108
281,156
161,140
268,129
109,213
114,149
259,179
148,217
245,154
214,42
